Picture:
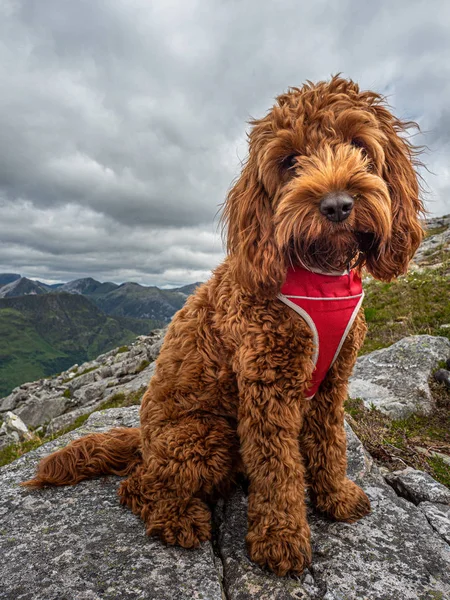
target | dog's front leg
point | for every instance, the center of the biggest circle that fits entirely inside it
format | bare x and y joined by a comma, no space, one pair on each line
323,442
270,415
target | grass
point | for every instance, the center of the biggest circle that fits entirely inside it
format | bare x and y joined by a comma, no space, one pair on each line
144,364
122,349
436,230
414,304
411,442
14,451
78,374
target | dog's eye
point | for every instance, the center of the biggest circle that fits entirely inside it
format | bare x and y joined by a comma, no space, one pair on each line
289,162
359,144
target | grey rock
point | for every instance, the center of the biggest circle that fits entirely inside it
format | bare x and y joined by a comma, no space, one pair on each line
360,463
154,350
37,411
395,379
438,516
443,376
12,430
80,381
13,423
78,542
90,392
8,437
417,486
392,553
433,246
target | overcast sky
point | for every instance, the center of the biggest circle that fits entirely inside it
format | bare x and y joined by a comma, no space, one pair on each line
122,122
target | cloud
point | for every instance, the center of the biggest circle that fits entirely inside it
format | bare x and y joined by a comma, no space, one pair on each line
123,123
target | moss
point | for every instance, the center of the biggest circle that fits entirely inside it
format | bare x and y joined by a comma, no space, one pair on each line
441,470
144,364
122,349
436,230
88,370
67,393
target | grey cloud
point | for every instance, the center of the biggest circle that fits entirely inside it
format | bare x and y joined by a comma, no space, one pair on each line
123,123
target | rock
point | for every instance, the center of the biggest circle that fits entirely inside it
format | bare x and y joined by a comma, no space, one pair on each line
79,543
438,516
39,410
395,379
13,423
13,430
442,376
90,392
417,486
434,248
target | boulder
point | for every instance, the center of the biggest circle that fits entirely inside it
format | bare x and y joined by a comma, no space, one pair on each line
13,430
395,379
79,543
417,486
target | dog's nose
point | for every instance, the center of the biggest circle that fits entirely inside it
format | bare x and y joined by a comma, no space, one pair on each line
336,206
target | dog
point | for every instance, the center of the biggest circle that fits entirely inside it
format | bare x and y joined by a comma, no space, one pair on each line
329,189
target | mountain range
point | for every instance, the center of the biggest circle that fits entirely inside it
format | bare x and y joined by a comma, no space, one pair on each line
45,328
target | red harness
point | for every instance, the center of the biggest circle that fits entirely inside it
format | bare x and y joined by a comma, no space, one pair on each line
329,305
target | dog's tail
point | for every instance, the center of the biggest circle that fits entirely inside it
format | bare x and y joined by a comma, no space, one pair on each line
117,452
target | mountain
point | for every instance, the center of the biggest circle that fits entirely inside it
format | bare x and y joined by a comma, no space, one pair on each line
8,278
129,300
88,285
23,287
187,289
139,302
42,334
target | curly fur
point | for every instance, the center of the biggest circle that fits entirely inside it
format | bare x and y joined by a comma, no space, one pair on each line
228,391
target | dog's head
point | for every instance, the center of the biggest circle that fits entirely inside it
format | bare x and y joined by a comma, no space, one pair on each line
329,182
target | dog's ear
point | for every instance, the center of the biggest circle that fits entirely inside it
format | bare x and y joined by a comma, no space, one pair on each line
255,260
393,256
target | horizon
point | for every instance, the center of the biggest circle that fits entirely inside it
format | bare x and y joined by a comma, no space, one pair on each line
51,282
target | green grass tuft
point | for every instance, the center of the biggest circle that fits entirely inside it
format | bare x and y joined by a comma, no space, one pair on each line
144,364
414,304
122,349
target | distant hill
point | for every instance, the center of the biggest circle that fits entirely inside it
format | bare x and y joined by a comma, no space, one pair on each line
42,334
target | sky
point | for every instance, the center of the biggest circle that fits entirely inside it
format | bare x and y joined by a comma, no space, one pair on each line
123,122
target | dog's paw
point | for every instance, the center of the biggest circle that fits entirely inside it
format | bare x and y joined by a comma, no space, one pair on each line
282,552
349,504
180,523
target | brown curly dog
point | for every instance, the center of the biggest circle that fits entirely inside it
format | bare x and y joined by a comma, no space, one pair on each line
329,182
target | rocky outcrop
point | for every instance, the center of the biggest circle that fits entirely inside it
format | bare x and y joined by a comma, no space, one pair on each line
79,543
395,379
435,248
57,402
13,430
